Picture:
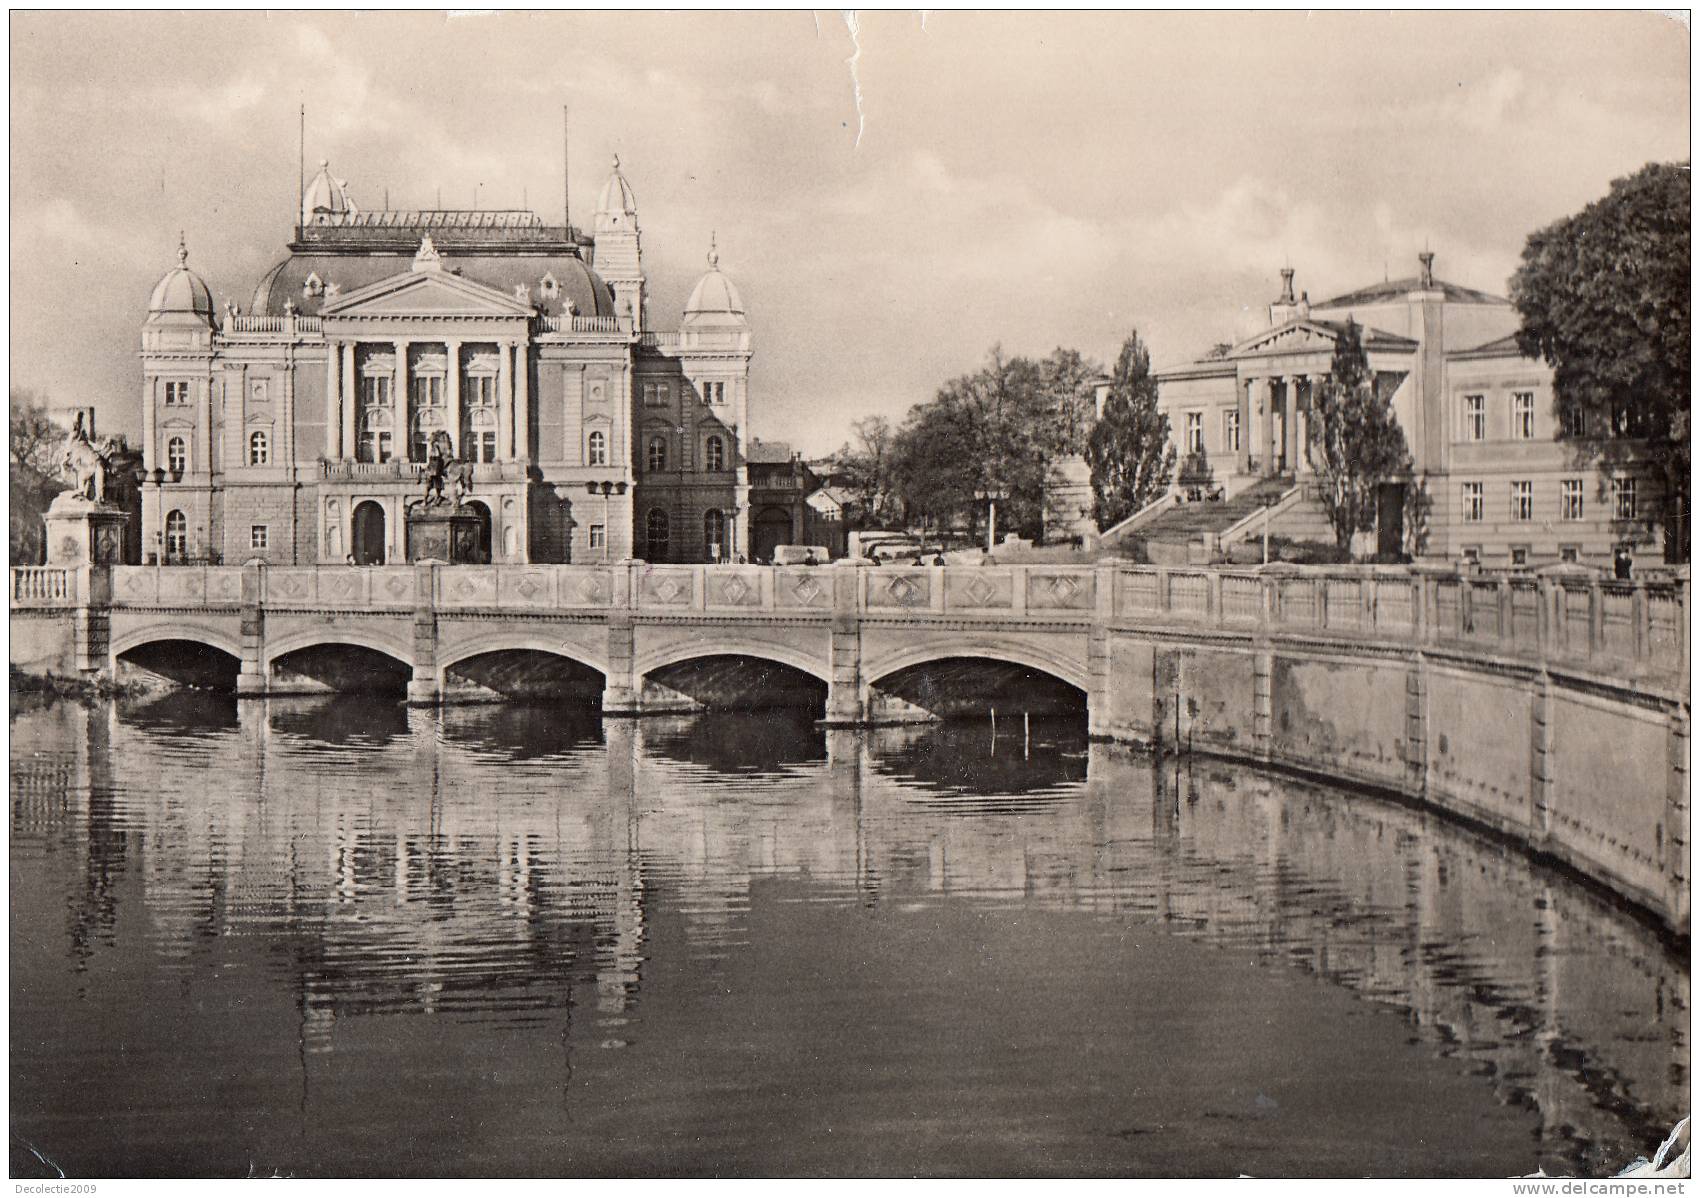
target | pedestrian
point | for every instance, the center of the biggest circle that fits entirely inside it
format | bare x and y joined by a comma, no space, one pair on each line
1622,564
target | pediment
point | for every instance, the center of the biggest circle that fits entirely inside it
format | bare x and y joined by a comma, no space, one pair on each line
427,293
1299,336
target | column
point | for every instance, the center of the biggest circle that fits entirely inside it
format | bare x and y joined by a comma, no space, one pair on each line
333,400
522,402
504,403
350,439
403,405
1290,426
1245,425
150,450
453,349
1266,428
283,453
1301,422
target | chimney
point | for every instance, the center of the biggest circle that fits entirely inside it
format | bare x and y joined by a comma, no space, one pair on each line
1427,259
1286,285
1304,303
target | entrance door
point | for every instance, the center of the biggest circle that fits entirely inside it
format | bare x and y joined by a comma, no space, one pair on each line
369,539
772,529
477,508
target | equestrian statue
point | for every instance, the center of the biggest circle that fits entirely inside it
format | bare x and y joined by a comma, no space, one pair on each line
86,462
443,468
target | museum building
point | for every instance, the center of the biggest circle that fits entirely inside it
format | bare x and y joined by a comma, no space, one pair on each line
298,431
1477,417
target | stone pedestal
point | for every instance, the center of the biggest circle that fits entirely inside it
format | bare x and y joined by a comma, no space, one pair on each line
1068,503
443,534
81,532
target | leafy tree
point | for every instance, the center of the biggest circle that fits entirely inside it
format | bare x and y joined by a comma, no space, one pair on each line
34,479
1355,442
1128,449
1604,299
1068,381
868,464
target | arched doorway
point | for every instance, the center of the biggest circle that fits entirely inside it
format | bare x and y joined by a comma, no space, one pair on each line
772,529
369,541
482,511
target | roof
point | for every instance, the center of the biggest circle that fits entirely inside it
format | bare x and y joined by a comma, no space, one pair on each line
767,453
617,194
830,494
573,281
1396,290
714,300
181,290
1499,347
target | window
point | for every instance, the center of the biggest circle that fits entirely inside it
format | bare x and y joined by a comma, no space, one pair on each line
428,412
599,536
1573,422
1523,415
257,536
1231,430
1523,500
714,534
655,395
1472,503
1519,555
259,448
176,393
714,454
377,438
596,453
1623,497
176,537
1195,432
714,393
177,455
375,390
657,456
1475,417
1472,554
1570,499
478,418
656,529
1570,553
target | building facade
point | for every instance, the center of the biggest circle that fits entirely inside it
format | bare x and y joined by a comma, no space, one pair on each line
298,431
1477,417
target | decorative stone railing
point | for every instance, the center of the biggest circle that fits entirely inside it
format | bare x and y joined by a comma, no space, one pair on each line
1635,628
581,324
343,471
272,325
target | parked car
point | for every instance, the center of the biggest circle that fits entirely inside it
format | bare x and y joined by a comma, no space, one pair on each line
800,555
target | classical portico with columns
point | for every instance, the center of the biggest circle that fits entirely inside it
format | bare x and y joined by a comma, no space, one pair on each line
298,431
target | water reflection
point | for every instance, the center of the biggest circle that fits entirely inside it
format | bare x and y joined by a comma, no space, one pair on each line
507,939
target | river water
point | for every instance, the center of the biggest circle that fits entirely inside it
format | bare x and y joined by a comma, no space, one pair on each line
341,937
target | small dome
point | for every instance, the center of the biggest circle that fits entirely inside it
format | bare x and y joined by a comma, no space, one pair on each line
181,291
617,197
326,196
714,295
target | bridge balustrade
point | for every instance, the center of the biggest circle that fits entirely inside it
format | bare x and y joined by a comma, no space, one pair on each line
1637,627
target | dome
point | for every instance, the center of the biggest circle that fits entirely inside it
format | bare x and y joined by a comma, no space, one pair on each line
181,291
617,197
326,196
714,295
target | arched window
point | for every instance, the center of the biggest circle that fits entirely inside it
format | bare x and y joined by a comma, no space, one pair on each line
656,531
176,537
377,440
598,451
714,534
177,456
657,458
714,454
259,448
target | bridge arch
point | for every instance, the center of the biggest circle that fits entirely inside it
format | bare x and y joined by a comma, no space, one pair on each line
308,638
811,664
177,630
1003,649
518,641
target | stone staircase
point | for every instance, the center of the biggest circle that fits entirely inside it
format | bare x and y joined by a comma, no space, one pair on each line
1184,532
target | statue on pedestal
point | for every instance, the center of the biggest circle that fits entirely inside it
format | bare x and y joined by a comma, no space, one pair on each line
441,468
87,464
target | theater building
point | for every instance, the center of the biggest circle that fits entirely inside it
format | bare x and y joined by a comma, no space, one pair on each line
297,431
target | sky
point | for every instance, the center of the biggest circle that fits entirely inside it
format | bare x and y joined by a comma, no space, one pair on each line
893,194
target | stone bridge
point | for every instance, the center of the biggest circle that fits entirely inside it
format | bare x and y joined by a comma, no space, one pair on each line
1553,711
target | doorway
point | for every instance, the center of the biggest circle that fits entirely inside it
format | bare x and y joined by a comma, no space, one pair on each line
479,509
369,540
772,529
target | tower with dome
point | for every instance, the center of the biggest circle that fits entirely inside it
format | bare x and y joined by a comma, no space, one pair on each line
295,430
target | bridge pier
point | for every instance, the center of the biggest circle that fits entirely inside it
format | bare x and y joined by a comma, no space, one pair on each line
422,688
622,690
844,703
251,678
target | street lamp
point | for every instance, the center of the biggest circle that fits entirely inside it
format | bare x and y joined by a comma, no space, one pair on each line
991,496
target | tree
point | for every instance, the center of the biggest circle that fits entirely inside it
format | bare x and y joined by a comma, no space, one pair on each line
34,479
1128,450
1355,442
868,463
1604,299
